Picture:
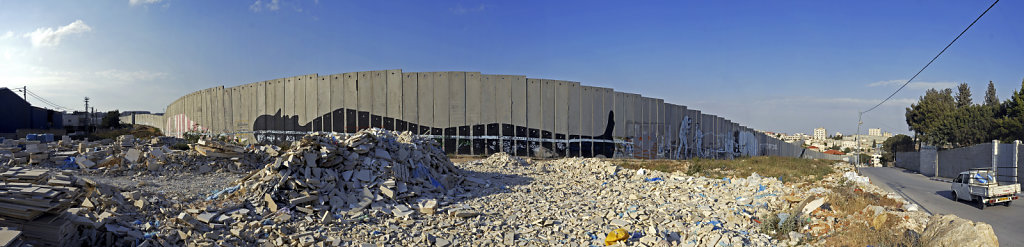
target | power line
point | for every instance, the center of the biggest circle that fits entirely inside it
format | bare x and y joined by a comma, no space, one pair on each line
933,59
50,103
41,99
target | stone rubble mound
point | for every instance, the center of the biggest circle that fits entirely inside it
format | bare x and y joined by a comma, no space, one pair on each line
332,172
325,177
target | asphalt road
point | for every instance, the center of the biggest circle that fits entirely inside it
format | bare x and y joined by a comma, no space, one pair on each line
934,197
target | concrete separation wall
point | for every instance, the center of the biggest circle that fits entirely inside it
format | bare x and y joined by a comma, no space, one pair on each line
1003,157
469,113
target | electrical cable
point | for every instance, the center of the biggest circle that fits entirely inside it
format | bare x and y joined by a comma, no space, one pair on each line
46,101
933,59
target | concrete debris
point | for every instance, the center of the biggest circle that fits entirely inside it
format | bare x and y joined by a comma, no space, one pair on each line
378,187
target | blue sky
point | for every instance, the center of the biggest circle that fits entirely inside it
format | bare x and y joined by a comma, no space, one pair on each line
787,66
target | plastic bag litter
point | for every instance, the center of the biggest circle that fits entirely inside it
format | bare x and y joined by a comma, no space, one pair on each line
852,176
227,190
616,236
69,164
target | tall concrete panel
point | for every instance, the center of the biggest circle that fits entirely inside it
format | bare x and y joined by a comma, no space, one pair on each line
488,92
473,99
380,96
425,97
410,101
229,111
474,126
586,119
249,101
278,89
337,102
394,96
311,103
457,98
300,103
573,118
519,114
488,112
547,105
504,112
534,111
322,115
609,106
236,108
352,102
457,112
668,138
441,102
618,105
661,139
260,94
364,88
561,115
289,103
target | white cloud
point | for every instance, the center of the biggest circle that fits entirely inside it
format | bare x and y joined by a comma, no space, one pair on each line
7,35
460,10
914,85
138,2
130,76
259,6
51,37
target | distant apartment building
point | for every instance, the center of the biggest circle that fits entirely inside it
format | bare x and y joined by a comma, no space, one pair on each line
838,134
819,134
887,134
874,132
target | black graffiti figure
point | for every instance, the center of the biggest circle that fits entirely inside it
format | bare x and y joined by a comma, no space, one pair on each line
276,128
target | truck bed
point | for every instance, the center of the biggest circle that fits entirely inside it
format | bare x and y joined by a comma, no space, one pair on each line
995,190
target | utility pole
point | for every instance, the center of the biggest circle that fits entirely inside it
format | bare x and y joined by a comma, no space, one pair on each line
24,92
856,140
86,122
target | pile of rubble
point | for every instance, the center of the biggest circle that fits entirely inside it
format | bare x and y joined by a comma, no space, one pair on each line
578,202
383,187
130,155
325,178
31,200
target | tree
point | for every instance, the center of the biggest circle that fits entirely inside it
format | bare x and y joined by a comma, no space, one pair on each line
963,95
1011,123
111,119
932,117
990,95
897,143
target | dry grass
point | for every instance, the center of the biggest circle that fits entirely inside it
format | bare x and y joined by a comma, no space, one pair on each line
139,131
785,168
863,232
855,199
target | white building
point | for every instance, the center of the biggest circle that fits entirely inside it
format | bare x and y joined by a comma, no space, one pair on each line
875,132
820,134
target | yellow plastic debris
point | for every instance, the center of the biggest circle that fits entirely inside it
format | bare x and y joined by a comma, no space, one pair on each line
616,236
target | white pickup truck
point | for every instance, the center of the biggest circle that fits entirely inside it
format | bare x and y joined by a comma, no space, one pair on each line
979,185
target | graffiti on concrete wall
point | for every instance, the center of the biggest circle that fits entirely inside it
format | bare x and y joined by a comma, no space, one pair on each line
698,143
682,151
279,128
746,143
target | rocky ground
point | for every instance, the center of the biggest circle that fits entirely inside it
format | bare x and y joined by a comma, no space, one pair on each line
389,189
